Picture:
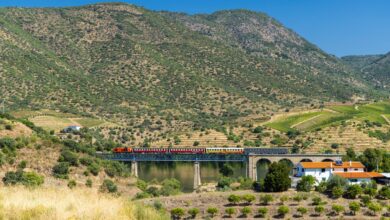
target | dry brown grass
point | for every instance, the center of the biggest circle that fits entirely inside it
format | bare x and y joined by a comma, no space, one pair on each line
63,203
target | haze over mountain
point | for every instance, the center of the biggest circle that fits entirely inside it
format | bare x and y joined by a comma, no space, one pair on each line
133,65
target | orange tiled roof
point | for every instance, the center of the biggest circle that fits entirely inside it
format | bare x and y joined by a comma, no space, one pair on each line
321,165
359,175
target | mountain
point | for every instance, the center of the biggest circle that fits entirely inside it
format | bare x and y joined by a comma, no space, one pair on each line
153,70
375,68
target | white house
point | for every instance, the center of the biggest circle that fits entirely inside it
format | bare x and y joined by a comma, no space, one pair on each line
322,171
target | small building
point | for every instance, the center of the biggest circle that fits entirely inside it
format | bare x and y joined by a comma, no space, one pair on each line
71,129
360,177
322,171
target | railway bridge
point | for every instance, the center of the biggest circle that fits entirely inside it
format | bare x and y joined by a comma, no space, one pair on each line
251,160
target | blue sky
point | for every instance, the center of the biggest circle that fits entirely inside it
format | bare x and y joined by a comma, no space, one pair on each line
340,27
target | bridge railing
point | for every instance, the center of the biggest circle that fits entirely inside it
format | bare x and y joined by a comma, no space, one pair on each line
173,157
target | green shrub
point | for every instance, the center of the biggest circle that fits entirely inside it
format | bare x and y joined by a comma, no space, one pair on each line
321,187
374,207
177,213
337,208
230,211
61,170
354,207
384,192
353,191
262,211
193,212
316,200
108,186
246,211
94,168
72,184
283,210
337,192
302,211
277,178
115,168
88,183
283,199
266,199
32,179
319,210
70,157
212,211
248,198
306,183
22,164
86,161
12,178
234,199
365,199
170,187
142,185
226,170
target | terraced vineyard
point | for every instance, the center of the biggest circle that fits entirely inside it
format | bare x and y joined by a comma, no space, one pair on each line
333,115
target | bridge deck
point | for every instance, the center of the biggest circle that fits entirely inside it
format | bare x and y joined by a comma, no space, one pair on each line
200,157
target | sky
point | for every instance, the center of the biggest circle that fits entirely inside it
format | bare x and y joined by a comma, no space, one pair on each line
340,27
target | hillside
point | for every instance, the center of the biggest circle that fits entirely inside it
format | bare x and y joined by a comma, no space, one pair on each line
157,72
375,68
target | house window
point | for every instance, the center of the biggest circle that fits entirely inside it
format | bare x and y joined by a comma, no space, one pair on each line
323,179
303,169
353,180
323,170
356,169
345,170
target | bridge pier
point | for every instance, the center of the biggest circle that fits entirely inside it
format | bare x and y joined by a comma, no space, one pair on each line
251,169
134,168
197,180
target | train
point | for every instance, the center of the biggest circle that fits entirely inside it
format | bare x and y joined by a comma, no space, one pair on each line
212,150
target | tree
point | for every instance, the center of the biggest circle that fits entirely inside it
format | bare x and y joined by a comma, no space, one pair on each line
337,209
277,178
262,211
337,192
234,199
336,181
374,207
370,191
248,198
193,212
319,210
230,211
246,211
302,211
266,199
354,207
212,211
365,200
306,183
177,213
350,155
283,210
226,170
61,170
353,191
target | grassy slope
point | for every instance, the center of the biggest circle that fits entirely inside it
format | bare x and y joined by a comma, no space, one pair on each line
62,203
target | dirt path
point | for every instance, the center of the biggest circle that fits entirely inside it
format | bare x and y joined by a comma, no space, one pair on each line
314,117
330,110
386,119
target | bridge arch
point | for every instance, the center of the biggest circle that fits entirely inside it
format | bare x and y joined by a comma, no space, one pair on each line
306,160
327,160
262,166
289,163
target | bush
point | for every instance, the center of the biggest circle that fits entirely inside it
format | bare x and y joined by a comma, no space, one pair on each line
193,212
177,213
319,210
354,207
224,182
94,168
258,186
170,187
70,157
212,211
32,179
226,170
266,199
12,178
283,210
262,211
277,178
230,211
365,200
302,211
248,198
108,186
336,181
61,170
384,192
115,168
370,191
72,184
306,183
283,199
246,211
337,192
316,200
321,187
142,185
86,161
353,191
374,207
234,199
337,208
88,183
22,164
